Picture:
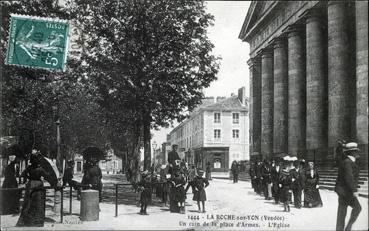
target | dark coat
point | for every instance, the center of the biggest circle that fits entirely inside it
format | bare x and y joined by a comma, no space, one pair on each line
172,157
200,184
347,179
312,196
235,169
9,199
285,180
252,172
275,174
33,207
266,174
178,192
298,178
10,181
68,176
145,188
258,170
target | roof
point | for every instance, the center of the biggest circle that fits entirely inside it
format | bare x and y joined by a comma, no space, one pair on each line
231,103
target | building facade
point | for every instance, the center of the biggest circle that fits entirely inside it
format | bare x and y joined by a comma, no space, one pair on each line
216,132
308,76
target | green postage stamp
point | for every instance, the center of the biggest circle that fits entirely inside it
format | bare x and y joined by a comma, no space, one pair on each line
37,42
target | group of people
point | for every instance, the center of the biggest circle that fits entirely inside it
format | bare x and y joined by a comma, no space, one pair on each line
174,181
278,179
283,180
32,212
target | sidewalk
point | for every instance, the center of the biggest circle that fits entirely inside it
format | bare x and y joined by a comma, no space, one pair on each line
224,201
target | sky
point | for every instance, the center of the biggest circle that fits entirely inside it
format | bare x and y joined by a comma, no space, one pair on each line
233,73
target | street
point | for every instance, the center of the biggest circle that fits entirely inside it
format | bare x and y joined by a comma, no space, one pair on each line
229,206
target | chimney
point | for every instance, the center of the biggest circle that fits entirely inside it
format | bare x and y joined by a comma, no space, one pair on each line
242,96
220,98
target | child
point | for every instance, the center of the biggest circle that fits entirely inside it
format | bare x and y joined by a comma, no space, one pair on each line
145,188
179,191
200,184
191,176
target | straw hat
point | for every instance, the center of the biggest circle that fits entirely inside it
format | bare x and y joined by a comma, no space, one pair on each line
351,147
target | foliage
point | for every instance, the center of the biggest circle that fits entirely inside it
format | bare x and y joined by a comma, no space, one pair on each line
144,64
150,60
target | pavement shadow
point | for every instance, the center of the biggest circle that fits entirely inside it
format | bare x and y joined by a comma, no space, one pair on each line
192,210
282,211
126,196
49,220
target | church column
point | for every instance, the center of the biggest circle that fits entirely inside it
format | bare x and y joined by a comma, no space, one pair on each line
339,107
280,116
296,92
316,85
255,105
266,103
362,74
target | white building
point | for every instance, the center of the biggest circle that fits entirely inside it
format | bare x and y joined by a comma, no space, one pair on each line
216,132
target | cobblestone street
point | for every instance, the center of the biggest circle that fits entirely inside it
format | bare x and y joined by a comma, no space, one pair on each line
229,206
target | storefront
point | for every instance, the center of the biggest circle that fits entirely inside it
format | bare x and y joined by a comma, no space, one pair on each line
218,157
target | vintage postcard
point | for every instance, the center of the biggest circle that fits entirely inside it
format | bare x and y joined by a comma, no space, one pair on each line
184,115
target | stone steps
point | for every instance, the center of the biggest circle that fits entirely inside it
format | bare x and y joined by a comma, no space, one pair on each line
328,176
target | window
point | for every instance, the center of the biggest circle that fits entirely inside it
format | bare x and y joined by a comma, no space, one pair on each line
217,133
217,117
235,133
236,118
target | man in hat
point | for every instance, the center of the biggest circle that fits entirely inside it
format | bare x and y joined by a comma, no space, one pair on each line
68,174
298,181
346,187
173,158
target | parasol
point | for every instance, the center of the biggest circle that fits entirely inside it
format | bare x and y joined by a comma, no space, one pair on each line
51,169
287,158
293,158
93,153
281,155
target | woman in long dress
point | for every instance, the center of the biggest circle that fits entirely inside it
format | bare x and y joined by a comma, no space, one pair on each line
10,198
33,208
311,191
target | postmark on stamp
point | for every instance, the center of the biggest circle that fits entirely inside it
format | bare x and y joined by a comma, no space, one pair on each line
37,42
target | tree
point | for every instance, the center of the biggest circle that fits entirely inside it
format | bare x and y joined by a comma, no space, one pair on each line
151,59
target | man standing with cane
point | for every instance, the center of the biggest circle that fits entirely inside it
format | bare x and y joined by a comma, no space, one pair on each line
346,187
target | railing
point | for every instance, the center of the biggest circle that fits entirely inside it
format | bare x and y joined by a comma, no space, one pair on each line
71,195
121,184
44,187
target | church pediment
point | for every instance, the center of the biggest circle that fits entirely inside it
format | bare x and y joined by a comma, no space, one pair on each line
255,12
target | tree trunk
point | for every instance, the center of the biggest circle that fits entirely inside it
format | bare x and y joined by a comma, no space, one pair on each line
147,145
135,156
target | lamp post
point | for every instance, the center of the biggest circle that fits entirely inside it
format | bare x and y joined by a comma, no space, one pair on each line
154,145
59,160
